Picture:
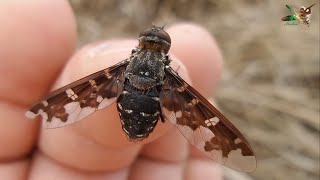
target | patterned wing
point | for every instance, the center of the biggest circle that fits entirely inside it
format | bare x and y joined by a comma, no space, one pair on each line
81,98
203,125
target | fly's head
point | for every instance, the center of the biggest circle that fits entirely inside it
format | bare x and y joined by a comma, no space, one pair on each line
308,9
156,39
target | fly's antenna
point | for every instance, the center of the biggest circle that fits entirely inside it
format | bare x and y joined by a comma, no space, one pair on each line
311,6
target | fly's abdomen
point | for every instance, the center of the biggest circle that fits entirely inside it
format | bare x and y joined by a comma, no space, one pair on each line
139,111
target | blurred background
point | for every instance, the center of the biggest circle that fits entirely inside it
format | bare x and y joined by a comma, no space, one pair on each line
270,85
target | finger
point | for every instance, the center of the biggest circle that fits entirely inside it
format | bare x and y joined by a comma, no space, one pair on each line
34,46
202,169
14,170
145,169
198,166
162,159
198,50
172,148
46,168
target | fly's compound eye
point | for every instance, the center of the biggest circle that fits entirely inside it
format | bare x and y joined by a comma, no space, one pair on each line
158,32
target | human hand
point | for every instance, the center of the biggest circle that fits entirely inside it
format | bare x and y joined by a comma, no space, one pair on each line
37,38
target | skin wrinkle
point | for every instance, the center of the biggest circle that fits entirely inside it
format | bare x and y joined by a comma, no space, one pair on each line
166,150
158,170
15,170
43,155
49,165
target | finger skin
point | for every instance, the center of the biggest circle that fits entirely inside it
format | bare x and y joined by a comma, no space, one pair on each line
171,147
145,169
46,168
18,135
202,169
16,170
34,47
198,50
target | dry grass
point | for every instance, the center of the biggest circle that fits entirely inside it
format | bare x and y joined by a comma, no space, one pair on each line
271,81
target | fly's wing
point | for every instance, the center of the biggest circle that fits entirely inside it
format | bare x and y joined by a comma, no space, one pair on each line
203,125
291,9
81,98
293,15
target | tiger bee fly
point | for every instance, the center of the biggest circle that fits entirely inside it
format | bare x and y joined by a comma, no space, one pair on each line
148,89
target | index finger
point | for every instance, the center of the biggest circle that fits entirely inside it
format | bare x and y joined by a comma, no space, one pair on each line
34,47
33,50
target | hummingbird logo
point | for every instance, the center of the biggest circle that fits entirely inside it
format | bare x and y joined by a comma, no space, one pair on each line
302,16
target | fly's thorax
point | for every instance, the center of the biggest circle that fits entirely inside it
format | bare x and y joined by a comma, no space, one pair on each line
146,69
